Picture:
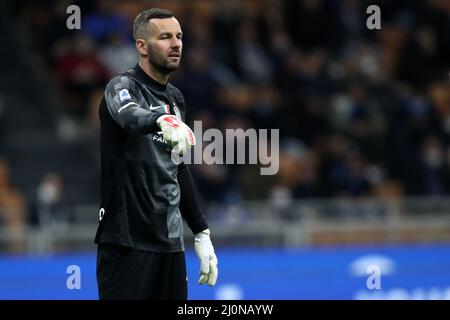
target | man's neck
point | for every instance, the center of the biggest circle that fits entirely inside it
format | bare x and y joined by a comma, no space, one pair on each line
153,73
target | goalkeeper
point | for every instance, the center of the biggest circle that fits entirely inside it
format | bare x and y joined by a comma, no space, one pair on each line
144,194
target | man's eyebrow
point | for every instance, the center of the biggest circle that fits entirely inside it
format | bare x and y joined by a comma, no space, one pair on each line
169,33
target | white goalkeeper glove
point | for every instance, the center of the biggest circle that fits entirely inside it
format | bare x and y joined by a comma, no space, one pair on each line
208,260
177,134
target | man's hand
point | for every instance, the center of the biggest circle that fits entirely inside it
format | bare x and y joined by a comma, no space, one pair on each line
177,134
208,259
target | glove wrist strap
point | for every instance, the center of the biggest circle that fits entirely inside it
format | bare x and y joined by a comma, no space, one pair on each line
205,232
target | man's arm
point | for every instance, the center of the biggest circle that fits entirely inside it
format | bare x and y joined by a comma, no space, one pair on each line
193,214
124,102
189,203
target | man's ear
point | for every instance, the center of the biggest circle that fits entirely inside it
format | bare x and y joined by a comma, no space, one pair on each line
141,46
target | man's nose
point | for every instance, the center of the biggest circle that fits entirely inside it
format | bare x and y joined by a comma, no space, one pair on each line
176,43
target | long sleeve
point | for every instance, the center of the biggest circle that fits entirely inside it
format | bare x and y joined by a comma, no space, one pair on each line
125,104
190,204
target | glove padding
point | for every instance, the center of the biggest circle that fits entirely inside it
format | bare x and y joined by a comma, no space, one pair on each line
176,133
208,260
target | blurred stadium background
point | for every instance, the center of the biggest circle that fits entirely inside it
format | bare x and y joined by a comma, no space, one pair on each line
364,119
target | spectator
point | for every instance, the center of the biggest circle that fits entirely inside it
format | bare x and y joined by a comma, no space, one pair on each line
106,20
117,54
297,177
50,208
418,61
429,175
79,71
357,99
254,64
196,81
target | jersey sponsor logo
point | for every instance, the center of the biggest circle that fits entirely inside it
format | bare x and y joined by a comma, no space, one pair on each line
124,95
158,137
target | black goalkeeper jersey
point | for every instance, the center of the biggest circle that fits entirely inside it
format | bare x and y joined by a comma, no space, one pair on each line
144,194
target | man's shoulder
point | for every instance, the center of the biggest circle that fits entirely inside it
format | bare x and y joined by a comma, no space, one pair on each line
124,79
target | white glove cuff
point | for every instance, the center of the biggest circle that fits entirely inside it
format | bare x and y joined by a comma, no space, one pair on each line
204,233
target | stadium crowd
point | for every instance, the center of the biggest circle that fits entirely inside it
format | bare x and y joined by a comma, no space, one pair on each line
361,112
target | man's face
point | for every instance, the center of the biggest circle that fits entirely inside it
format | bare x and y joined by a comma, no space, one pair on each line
165,45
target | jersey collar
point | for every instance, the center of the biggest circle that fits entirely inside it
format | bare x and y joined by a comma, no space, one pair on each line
145,78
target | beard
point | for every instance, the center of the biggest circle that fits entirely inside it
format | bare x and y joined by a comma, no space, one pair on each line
162,63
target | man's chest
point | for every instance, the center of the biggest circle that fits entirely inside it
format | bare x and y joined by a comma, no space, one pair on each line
160,103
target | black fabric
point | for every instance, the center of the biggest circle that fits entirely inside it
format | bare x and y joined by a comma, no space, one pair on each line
127,274
140,191
190,204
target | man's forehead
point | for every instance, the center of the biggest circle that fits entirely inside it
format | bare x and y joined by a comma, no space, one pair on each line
158,26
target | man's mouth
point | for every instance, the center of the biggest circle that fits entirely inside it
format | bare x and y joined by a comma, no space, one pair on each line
174,55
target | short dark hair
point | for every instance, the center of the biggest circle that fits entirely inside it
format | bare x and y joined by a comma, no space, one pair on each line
142,19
